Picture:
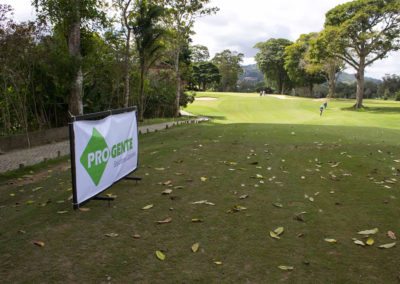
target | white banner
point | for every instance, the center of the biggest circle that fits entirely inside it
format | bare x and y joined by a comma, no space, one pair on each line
106,150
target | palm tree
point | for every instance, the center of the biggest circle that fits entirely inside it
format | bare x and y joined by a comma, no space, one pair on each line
148,34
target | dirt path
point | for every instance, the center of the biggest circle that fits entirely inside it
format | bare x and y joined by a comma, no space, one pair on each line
29,157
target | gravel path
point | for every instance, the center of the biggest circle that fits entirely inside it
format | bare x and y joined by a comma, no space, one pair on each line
28,157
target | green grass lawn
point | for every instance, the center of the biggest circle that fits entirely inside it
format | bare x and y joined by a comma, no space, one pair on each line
342,169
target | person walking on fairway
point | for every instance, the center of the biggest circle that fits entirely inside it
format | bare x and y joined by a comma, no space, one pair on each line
321,109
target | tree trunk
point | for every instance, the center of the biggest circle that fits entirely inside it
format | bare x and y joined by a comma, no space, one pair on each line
178,84
332,81
127,65
74,47
360,84
141,93
310,89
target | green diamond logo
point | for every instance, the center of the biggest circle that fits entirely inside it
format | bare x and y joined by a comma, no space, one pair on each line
95,156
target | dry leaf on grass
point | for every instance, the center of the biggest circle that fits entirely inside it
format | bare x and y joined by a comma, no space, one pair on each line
358,242
196,220
203,202
168,182
195,247
332,241
387,246
237,208
286,268
84,209
165,221
111,235
160,255
391,235
244,196
203,178
279,231
147,207
38,243
62,212
166,192
369,232
274,235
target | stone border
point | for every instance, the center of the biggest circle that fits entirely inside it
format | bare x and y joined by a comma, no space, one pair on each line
28,157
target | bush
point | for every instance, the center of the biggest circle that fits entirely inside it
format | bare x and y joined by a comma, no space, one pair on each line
397,96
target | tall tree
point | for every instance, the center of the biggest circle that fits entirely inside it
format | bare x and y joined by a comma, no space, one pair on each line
70,16
148,33
296,63
126,9
199,53
182,16
205,73
364,31
320,59
228,63
271,61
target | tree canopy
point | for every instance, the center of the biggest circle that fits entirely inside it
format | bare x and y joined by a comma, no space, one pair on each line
296,63
362,32
271,61
228,63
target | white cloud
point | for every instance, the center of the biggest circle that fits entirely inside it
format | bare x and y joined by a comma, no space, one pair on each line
23,10
239,25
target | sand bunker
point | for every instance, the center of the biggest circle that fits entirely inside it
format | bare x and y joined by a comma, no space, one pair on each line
282,97
206,99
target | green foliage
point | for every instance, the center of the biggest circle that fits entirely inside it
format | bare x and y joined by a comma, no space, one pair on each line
228,63
296,63
271,61
148,37
199,53
65,12
205,73
397,98
391,83
362,32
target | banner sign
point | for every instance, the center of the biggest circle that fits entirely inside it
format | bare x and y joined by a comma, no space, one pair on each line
104,151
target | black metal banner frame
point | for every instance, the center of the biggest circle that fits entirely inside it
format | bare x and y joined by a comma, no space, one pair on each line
94,116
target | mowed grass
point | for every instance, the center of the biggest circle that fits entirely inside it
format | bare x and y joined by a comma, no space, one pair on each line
347,161
251,108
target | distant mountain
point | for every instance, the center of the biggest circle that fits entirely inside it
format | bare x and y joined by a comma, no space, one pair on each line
350,78
251,73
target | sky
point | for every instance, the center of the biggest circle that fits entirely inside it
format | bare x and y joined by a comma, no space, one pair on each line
239,25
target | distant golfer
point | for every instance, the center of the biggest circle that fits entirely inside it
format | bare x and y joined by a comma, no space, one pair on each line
321,109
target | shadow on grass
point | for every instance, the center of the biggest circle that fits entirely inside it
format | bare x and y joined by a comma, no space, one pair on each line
216,117
377,110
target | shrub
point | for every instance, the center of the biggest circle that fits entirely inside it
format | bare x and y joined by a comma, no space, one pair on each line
397,96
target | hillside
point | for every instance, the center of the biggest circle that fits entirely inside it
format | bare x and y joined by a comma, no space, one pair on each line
253,74
350,79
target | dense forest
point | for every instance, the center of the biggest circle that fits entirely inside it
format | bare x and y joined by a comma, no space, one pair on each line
99,57
83,56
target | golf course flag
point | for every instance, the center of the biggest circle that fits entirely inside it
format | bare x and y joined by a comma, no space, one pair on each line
102,151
